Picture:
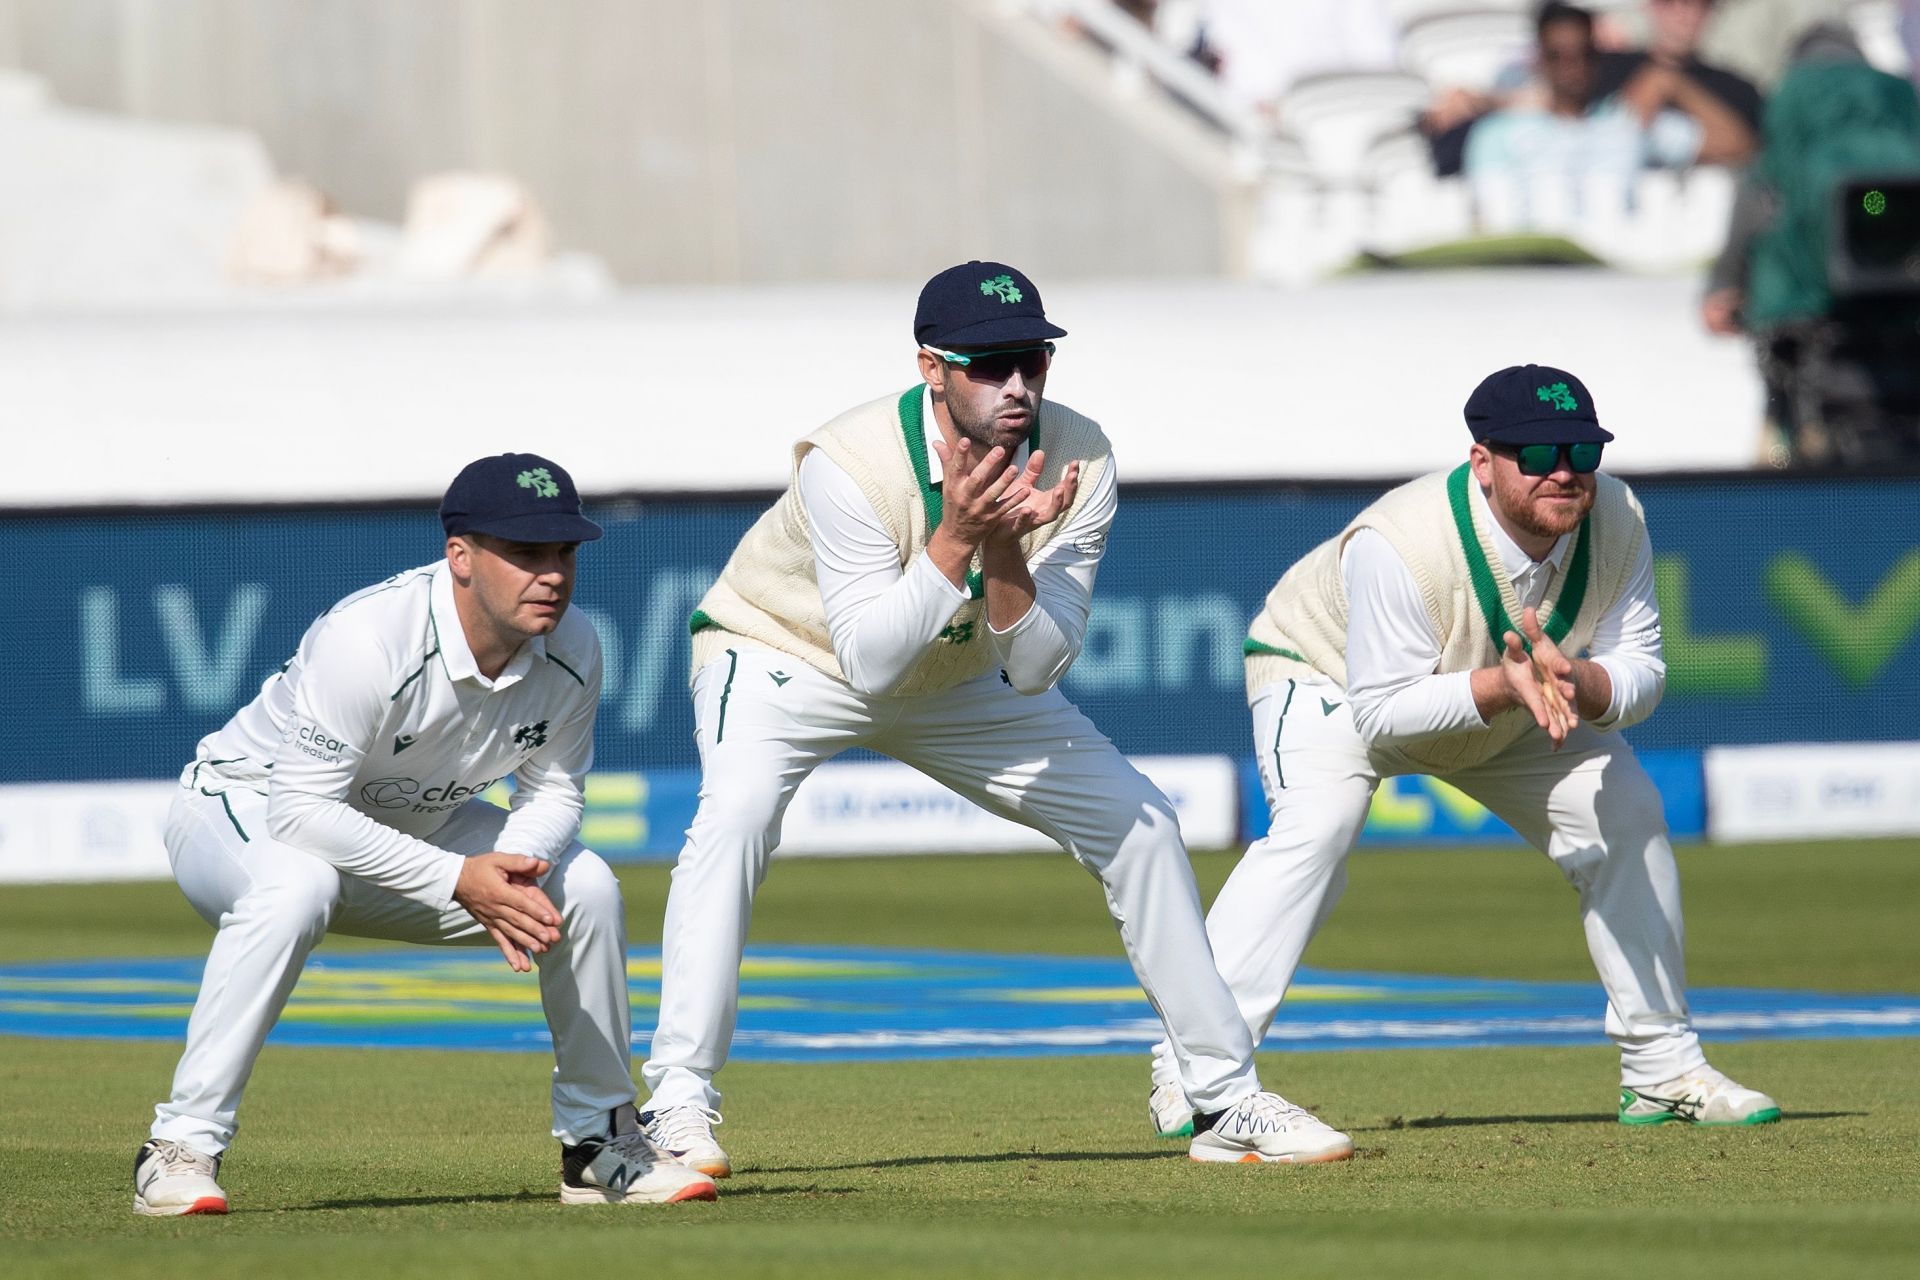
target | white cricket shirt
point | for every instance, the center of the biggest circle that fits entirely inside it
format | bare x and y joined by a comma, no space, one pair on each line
1392,650
883,619
380,726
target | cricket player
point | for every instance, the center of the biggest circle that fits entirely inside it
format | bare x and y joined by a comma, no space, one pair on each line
919,590
1437,634
345,798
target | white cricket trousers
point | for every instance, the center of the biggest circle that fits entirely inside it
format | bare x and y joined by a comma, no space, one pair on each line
764,720
271,904
1589,806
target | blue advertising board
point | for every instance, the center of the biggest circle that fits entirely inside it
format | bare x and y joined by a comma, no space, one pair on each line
1791,608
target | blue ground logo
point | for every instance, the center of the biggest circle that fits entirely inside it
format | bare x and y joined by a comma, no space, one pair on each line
819,1003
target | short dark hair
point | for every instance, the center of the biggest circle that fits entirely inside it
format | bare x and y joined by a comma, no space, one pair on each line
1554,11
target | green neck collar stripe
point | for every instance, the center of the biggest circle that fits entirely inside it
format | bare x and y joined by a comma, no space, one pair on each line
1565,608
1251,646
913,428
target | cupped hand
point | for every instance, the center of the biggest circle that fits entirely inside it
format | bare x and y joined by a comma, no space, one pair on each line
502,892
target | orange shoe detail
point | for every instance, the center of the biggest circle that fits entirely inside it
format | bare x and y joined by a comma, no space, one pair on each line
698,1191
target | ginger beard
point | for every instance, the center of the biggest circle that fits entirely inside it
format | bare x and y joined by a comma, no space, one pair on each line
1545,506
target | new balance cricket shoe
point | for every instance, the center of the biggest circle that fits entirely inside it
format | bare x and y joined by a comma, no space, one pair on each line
625,1167
171,1179
686,1133
1169,1112
1265,1128
1699,1097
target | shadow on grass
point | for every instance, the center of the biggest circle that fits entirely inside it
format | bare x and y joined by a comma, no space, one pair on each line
403,1202
1001,1157
1601,1117
803,1192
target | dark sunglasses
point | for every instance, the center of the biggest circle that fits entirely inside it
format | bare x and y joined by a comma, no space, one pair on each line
1542,459
998,366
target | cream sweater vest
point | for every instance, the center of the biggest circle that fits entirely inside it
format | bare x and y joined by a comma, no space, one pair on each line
1301,633
768,596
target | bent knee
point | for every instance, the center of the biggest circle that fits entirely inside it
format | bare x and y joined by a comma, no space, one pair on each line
1134,815
1628,809
589,887
741,816
299,897
1321,822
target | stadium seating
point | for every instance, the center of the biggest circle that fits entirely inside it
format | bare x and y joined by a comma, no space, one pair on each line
1337,115
1342,171
1467,48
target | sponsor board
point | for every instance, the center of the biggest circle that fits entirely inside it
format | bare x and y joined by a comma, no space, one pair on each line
1419,810
160,623
888,807
812,1004
1810,790
112,830
83,831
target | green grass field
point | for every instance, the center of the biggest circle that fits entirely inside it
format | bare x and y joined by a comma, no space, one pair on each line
1472,1162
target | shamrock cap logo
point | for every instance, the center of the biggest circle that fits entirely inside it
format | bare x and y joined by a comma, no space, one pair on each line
540,480
1558,396
1003,286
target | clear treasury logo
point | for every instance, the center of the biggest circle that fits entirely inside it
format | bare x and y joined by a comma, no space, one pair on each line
400,793
318,743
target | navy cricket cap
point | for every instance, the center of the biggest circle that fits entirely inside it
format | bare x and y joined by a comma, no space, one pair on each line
1533,404
981,304
519,496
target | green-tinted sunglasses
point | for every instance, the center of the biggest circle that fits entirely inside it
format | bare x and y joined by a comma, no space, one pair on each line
1541,459
998,366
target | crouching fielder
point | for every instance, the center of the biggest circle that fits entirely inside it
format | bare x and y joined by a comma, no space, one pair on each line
919,590
1432,636
345,799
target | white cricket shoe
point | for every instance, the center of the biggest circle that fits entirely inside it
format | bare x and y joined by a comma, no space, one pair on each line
1169,1112
686,1133
625,1167
171,1179
1700,1097
1267,1129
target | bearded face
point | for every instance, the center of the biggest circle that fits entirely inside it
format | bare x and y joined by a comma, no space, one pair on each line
1548,506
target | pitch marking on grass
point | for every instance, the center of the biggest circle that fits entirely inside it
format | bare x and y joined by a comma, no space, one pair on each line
819,1003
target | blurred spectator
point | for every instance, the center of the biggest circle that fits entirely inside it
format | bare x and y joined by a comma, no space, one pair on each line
1264,46
1693,113
291,233
1836,357
1552,125
472,224
1583,111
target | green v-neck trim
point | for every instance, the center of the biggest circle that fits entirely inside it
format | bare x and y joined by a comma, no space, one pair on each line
1565,609
913,429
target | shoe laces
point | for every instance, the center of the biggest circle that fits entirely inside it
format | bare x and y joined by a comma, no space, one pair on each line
176,1158
636,1147
1267,1113
674,1126
1701,1085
